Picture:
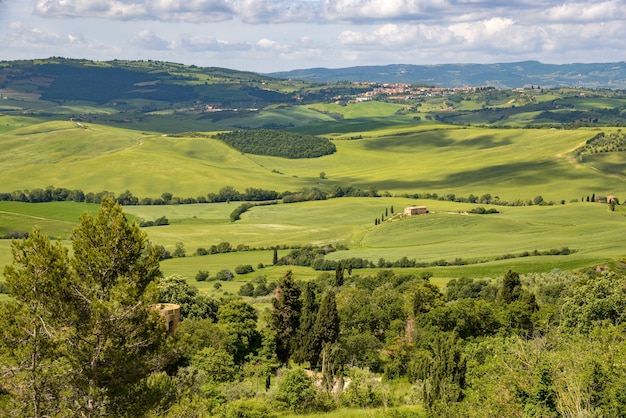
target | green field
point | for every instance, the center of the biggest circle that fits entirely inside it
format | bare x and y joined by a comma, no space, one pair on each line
509,163
447,233
381,148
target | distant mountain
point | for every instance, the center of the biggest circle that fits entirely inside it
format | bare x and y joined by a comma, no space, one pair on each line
504,75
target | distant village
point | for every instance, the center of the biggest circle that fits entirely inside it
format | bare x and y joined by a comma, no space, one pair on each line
401,91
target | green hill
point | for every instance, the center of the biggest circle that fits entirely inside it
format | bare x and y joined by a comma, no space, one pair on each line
509,163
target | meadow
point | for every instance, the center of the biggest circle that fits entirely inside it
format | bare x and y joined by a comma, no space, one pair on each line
477,246
380,150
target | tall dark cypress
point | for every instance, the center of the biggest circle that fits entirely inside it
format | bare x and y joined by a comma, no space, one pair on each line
285,316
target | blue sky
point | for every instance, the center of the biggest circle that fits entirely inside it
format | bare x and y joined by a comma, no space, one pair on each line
276,35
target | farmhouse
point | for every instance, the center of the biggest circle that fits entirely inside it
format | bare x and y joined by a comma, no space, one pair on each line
415,210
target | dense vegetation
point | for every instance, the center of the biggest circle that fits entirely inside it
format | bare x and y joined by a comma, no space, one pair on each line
277,143
539,345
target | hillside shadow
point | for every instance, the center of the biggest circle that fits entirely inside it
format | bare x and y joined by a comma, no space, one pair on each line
520,174
433,139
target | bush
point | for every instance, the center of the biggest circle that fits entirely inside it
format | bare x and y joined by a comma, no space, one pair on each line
244,269
16,235
202,275
223,247
246,408
246,290
295,392
224,275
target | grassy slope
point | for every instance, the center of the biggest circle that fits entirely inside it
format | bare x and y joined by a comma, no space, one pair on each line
510,163
398,156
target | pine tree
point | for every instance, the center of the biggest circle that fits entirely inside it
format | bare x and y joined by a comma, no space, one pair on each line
511,287
285,316
31,324
93,312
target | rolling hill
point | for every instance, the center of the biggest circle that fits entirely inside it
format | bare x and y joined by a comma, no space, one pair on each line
501,75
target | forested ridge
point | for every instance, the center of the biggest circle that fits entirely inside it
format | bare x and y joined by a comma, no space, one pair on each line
80,338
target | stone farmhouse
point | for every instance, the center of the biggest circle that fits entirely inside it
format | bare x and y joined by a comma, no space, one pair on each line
415,210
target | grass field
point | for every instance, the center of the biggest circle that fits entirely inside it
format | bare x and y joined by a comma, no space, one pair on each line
446,233
393,155
509,163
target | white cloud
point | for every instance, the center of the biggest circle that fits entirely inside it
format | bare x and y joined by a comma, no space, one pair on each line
276,33
149,40
160,10
587,11
200,44
269,44
23,35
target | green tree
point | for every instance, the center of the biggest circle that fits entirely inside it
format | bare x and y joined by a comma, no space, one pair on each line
240,321
285,316
442,368
305,349
246,289
193,305
326,328
180,250
295,391
326,332
37,280
116,335
217,363
104,337
511,287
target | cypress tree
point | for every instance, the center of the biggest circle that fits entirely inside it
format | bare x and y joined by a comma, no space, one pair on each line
285,316
305,349
326,328
326,333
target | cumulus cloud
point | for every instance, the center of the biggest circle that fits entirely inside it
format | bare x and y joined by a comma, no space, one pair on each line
147,39
162,10
587,11
202,44
26,35
329,11
329,32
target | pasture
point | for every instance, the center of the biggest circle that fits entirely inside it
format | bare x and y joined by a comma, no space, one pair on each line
379,150
489,245
395,159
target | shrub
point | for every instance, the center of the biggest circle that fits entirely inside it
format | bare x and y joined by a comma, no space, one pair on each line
244,269
364,391
295,392
246,408
202,275
246,289
224,275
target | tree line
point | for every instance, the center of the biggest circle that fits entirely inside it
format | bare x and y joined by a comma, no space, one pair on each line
250,194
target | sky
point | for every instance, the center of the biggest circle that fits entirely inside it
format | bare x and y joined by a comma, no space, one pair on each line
280,35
